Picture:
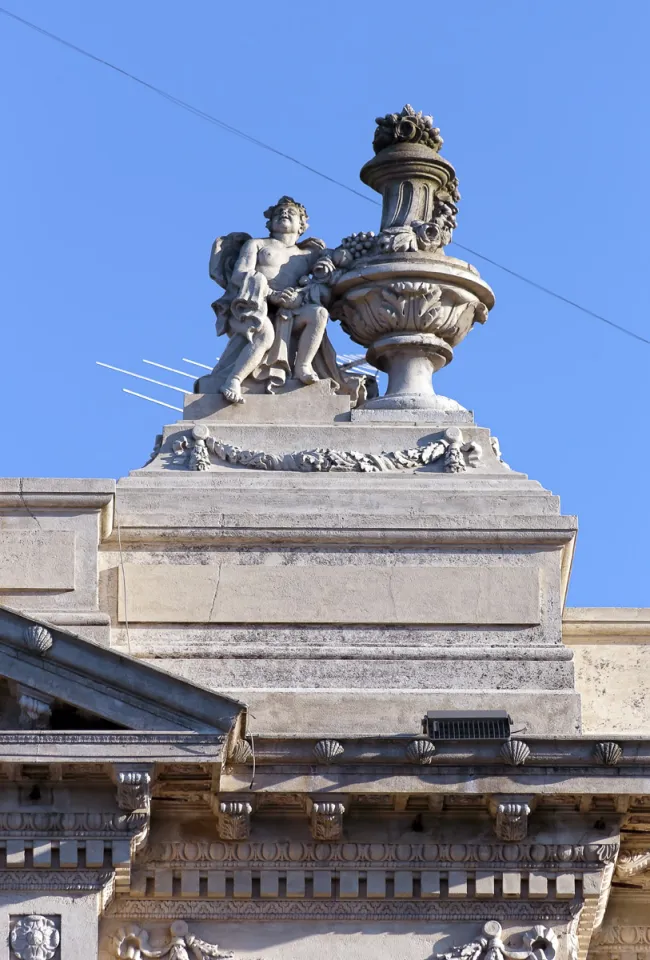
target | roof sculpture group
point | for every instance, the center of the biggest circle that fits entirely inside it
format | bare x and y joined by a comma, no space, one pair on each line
395,293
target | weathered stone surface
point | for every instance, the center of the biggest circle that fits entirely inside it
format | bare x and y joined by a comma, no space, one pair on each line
294,403
319,593
33,560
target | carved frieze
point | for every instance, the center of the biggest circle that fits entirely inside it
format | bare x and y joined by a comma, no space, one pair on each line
263,853
455,454
360,910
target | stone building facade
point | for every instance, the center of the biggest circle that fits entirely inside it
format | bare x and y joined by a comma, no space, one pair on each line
306,682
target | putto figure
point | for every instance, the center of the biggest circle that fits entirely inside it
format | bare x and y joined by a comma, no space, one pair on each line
271,310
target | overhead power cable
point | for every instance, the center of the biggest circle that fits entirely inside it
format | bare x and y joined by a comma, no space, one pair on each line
183,104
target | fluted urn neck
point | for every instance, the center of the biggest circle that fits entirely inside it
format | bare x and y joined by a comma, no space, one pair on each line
409,177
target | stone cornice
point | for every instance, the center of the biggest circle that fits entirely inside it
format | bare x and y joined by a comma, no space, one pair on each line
110,746
291,529
606,625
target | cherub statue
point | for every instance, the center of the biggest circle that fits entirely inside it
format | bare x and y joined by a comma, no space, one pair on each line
271,310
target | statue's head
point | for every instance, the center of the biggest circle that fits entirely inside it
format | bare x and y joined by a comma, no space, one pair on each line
286,216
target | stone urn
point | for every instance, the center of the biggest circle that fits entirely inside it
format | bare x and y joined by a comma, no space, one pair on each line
397,293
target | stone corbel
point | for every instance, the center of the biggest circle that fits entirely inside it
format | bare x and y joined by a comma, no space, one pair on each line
35,708
234,819
632,863
510,814
134,784
326,819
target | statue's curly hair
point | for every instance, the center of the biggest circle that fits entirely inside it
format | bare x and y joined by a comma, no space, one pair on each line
287,202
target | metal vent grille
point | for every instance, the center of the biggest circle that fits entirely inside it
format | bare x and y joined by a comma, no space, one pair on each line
467,725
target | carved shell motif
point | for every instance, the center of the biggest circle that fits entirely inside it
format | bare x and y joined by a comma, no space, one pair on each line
38,639
241,752
420,751
326,751
608,753
515,752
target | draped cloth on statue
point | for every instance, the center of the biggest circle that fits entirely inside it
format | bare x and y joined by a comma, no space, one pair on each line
239,315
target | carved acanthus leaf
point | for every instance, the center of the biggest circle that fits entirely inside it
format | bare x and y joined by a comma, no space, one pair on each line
327,820
511,821
234,819
134,790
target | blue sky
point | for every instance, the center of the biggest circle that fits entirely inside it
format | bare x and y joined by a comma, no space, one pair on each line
113,196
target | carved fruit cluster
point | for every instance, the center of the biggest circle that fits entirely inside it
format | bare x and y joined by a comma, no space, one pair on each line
359,244
406,127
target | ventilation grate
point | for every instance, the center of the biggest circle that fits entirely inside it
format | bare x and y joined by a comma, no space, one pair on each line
467,725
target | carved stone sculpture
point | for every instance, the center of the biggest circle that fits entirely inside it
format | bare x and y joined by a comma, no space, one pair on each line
540,943
35,709
134,790
34,937
234,820
327,751
38,639
397,293
132,943
271,310
456,456
511,821
327,821
515,752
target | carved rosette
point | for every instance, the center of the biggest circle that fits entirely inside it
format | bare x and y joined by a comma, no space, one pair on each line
34,937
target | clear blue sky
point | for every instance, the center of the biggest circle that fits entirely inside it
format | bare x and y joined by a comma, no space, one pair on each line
112,197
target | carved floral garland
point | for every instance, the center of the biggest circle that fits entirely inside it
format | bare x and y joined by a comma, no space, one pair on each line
196,451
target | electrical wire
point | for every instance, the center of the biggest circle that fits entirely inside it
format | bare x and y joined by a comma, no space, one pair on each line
305,166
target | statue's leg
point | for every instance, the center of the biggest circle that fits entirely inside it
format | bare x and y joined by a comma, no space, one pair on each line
250,357
312,318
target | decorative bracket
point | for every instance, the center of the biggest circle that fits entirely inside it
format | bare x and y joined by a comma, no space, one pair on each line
511,815
35,708
133,787
234,819
326,820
